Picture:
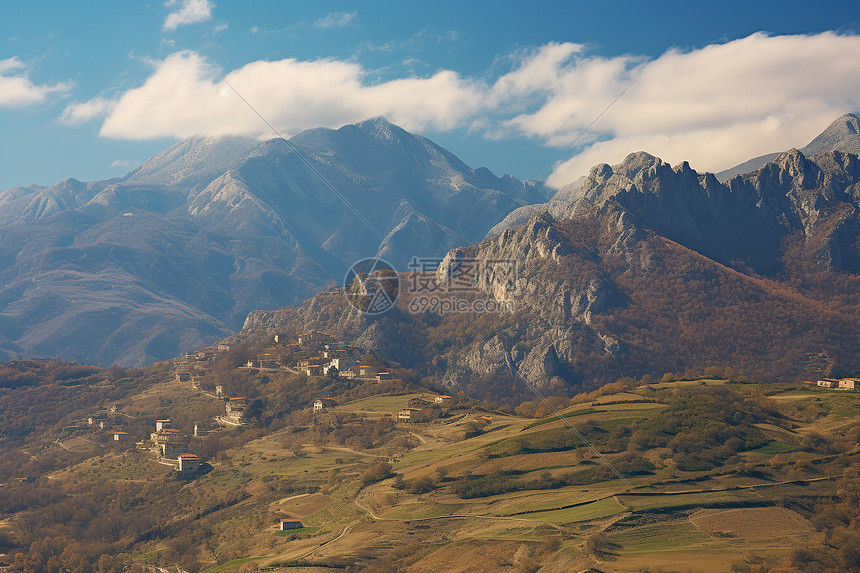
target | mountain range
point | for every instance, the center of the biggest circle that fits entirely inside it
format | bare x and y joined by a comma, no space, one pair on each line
843,134
174,255
642,268
177,254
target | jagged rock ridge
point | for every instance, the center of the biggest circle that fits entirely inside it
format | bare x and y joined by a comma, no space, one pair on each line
651,268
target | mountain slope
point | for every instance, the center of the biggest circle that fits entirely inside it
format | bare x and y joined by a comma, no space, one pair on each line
651,269
177,253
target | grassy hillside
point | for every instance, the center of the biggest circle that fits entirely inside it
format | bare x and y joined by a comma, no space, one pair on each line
671,476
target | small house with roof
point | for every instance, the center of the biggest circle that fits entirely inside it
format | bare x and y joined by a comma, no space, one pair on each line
172,449
335,363
162,424
409,414
848,383
288,524
828,383
120,436
236,405
205,353
188,463
323,404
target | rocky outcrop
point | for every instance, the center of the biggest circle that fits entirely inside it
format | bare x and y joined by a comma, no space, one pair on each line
648,267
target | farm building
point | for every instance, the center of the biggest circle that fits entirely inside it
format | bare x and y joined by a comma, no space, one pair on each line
206,353
188,463
323,404
235,405
163,436
172,449
443,399
120,436
183,376
161,425
287,524
333,363
316,338
847,383
408,414
268,361
828,383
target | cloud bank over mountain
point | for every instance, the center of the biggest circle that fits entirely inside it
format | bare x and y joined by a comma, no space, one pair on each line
713,106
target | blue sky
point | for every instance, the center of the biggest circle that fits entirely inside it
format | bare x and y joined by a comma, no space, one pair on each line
90,93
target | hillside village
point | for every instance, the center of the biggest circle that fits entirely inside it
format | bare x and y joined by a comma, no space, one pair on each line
308,455
311,354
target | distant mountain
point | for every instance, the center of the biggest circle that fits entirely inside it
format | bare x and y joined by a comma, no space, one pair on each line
175,255
841,135
645,269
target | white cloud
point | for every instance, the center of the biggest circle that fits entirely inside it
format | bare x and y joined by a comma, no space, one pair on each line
715,106
120,163
18,90
186,95
336,20
77,113
11,64
190,12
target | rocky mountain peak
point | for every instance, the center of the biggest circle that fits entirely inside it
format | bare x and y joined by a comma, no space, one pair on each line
382,130
841,135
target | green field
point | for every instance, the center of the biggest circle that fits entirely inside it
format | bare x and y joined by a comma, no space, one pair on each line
700,499
233,563
775,447
681,383
679,536
383,404
299,530
524,489
587,512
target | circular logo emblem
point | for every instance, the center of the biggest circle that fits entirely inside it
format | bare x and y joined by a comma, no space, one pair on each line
372,285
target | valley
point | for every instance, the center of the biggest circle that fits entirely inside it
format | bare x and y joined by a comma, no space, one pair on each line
686,475
429,287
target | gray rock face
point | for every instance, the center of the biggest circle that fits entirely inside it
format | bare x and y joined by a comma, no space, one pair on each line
650,268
